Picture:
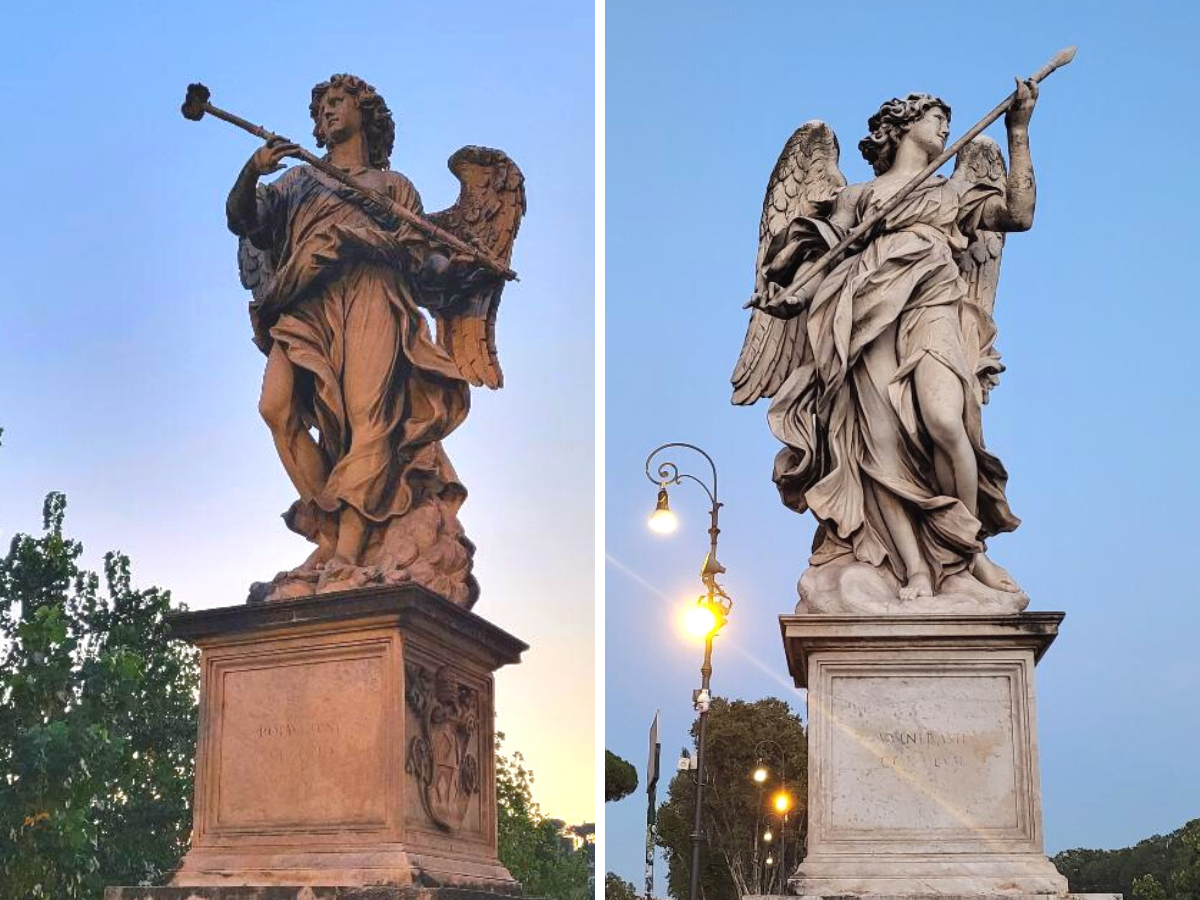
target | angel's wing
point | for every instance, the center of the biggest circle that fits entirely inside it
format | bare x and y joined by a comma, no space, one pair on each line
489,208
256,268
981,162
804,179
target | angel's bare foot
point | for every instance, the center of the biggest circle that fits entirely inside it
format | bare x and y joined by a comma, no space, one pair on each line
992,575
919,584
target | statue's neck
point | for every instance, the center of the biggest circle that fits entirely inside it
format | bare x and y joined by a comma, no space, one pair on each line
350,153
910,159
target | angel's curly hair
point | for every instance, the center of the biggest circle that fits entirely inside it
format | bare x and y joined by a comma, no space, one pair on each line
378,126
888,125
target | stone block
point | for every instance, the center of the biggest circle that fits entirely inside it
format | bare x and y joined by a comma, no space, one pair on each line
345,741
922,750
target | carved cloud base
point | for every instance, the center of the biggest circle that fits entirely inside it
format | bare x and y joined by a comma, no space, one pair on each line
844,586
346,740
922,755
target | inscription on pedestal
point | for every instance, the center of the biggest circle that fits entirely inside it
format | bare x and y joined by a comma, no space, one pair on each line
912,751
311,731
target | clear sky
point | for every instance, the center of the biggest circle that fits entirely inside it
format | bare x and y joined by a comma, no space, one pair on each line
127,376
1095,417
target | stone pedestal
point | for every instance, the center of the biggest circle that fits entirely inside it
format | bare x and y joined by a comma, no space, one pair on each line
922,755
345,740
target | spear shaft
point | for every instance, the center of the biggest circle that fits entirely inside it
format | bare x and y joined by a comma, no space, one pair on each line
1062,58
196,105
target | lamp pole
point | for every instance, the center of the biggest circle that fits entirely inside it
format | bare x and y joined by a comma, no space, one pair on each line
716,601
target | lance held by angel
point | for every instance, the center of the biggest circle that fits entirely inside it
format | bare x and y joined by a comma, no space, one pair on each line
357,392
878,363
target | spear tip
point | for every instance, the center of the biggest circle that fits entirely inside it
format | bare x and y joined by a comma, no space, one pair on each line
1065,56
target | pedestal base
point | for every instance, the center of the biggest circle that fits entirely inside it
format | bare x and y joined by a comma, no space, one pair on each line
301,893
922,754
940,897
344,740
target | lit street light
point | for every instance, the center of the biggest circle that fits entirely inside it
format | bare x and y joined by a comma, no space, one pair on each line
781,801
705,619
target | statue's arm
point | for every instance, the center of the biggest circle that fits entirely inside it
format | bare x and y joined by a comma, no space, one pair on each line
1014,210
241,209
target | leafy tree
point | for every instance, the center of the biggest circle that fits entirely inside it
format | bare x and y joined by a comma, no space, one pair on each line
1162,867
97,724
617,888
1183,880
735,808
531,845
620,777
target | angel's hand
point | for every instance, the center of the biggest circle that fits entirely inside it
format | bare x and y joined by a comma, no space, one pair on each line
1020,110
783,303
269,157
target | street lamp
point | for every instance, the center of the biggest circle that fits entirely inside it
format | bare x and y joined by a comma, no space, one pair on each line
705,619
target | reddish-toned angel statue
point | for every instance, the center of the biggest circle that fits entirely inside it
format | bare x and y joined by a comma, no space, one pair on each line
358,393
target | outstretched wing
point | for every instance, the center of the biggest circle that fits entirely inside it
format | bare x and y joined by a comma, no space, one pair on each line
804,180
981,162
488,211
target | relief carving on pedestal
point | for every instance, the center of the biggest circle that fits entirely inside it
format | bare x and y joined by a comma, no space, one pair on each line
440,756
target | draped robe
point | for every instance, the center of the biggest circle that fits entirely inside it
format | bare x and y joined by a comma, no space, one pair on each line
380,392
848,414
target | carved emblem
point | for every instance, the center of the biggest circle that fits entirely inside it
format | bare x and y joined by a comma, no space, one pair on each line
440,757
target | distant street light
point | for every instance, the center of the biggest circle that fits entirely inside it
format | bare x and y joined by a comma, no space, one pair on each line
705,619
781,800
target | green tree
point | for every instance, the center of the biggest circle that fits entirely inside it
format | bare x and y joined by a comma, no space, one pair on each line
97,724
736,809
1182,881
1161,867
620,777
617,888
532,846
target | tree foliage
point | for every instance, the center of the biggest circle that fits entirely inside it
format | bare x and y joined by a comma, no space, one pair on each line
620,777
735,808
617,888
532,846
1162,867
97,723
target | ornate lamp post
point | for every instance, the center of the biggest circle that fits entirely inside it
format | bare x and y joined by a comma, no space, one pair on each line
706,618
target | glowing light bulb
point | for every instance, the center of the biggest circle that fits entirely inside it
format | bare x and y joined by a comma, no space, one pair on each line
700,620
662,520
760,774
782,802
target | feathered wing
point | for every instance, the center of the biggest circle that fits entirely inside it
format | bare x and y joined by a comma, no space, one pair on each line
488,212
981,162
256,269
804,180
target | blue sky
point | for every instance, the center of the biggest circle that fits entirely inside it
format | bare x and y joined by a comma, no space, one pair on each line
1095,417
127,376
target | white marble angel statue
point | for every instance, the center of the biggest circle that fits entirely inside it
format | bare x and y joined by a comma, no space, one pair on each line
878,367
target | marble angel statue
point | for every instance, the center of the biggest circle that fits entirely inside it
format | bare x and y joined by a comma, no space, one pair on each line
358,392
877,368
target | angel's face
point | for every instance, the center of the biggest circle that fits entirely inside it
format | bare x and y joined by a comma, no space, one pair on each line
339,115
930,131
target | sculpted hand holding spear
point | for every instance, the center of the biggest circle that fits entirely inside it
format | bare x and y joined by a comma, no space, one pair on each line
340,257
873,333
